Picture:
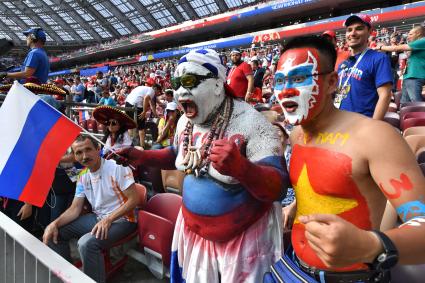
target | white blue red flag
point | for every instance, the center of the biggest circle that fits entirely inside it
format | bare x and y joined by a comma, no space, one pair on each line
33,138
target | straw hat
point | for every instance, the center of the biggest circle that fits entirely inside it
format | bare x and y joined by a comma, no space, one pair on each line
37,89
104,113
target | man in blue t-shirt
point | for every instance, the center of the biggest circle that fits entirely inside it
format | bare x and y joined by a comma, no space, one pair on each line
36,65
365,79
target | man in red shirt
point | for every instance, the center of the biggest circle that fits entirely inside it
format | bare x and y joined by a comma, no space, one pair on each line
240,77
342,55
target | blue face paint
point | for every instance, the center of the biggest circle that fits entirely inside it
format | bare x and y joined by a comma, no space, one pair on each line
411,209
297,77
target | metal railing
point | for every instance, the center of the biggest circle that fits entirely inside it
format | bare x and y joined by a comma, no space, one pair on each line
25,259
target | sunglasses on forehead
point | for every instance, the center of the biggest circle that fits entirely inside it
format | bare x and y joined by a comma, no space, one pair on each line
189,80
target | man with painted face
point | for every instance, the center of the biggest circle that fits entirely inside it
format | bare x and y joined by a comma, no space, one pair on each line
365,78
228,229
341,183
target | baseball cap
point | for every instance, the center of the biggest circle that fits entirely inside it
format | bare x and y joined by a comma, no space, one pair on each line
37,32
365,19
329,33
235,50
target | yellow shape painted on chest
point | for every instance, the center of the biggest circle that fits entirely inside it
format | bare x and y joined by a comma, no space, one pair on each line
310,202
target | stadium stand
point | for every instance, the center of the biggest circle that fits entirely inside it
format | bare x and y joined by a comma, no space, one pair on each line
133,48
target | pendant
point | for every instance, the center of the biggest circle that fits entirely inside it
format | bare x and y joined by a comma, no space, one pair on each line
192,160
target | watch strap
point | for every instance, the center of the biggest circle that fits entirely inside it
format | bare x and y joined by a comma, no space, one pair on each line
389,258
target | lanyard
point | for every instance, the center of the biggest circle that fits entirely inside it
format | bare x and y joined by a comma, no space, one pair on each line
352,70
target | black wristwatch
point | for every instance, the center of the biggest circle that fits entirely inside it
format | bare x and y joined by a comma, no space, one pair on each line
387,259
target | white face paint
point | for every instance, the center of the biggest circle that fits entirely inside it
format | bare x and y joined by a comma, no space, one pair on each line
199,102
296,89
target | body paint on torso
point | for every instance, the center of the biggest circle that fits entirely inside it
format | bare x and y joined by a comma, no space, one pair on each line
323,184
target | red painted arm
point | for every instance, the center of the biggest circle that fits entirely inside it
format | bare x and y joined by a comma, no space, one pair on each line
161,158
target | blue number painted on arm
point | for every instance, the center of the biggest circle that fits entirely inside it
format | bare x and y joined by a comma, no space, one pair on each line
411,209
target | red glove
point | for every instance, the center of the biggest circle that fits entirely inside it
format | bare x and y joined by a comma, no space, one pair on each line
263,182
226,157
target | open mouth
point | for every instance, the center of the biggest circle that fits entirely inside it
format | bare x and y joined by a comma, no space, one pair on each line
290,106
189,107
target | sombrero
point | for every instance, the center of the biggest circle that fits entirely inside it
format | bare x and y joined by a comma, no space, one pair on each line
37,89
104,113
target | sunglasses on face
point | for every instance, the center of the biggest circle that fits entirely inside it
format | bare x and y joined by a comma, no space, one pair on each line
189,80
112,123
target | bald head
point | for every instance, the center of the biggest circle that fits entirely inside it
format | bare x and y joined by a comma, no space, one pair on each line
415,33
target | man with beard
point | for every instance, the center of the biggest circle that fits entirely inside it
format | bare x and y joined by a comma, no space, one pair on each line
342,184
365,78
228,229
110,190
240,77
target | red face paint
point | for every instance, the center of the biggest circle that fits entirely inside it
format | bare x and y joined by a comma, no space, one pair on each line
297,85
323,184
403,185
288,93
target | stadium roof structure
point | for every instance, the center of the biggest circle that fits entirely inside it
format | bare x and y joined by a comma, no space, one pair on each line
83,22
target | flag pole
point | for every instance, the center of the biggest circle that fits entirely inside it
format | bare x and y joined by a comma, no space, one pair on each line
83,130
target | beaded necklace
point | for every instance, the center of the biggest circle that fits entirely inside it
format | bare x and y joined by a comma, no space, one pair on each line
196,160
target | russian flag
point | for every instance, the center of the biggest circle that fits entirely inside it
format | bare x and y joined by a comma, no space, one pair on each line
33,138
83,115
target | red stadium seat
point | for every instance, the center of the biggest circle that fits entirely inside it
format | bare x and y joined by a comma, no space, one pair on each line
413,115
92,125
156,227
410,115
100,128
83,124
112,267
412,122
407,109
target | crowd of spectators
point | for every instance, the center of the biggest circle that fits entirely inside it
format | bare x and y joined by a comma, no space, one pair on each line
114,87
